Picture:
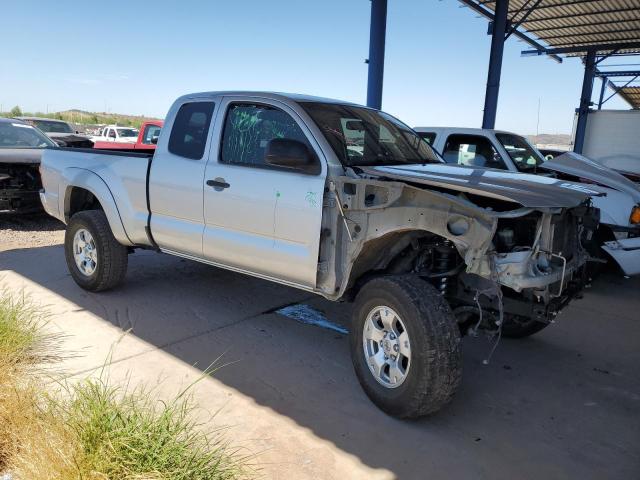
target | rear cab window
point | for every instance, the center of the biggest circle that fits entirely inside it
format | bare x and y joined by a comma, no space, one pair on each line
190,129
472,150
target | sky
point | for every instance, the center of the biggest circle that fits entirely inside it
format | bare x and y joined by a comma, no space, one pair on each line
137,57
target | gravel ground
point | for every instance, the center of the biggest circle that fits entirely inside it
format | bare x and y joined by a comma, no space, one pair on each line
28,231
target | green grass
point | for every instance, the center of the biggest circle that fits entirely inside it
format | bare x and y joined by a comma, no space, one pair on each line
93,430
23,341
130,435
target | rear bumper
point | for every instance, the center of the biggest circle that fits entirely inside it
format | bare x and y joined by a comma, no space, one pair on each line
626,253
19,201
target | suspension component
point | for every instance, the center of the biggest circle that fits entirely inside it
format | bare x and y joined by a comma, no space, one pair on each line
444,260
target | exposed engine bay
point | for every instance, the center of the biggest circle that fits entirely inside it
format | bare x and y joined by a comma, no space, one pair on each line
19,187
494,261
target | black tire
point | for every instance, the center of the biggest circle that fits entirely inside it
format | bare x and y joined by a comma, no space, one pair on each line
112,257
435,370
521,329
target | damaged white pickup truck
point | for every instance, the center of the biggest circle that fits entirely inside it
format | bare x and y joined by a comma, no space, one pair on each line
343,201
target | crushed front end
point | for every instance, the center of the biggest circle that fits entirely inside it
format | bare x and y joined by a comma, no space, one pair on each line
536,265
19,188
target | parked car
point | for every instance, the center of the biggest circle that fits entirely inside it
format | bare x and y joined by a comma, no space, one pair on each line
619,202
59,131
114,133
269,185
146,140
21,147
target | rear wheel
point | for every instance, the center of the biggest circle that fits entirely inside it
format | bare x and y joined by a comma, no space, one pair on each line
405,346
94,257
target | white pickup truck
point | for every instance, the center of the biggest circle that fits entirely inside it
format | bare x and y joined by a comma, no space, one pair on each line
343,201
114,133
619,203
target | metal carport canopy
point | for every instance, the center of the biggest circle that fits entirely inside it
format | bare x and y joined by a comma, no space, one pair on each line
631,95
593,29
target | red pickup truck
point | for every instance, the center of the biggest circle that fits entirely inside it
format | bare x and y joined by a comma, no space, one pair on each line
147,139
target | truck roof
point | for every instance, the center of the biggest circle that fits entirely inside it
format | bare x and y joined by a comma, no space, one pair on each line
470,131
296,97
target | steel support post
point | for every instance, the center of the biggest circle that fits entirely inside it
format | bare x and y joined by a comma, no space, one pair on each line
495,64
377,35
585,100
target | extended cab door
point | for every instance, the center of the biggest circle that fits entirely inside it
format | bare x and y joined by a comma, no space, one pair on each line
260,218
176,177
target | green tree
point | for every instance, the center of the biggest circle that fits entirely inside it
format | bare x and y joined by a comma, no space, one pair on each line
16,111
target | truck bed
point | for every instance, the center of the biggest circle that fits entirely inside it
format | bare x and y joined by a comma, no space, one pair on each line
121,177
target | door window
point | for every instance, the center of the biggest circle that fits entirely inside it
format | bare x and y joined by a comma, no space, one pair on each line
248,129
112,133
472,150
190,128
150,132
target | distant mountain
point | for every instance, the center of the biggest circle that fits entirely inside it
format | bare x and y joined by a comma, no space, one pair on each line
550,139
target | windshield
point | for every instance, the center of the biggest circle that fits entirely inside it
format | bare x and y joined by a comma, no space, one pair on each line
19,135
127,132
51,126
361,136
525,157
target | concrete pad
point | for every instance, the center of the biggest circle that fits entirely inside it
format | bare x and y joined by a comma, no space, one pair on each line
562,404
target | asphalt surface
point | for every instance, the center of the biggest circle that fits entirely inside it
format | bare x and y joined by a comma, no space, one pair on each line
563,404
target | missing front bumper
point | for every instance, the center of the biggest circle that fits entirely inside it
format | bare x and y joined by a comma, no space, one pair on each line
19,201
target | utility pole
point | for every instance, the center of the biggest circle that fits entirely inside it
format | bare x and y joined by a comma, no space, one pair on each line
538,122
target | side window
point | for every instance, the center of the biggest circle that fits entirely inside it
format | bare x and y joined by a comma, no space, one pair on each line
249,127
150,132
472,150
428,137
190,128
112,133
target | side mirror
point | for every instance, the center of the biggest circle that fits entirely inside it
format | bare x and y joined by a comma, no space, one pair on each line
283,152
60,142
154,140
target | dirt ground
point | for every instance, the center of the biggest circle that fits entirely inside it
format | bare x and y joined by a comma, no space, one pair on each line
563,404
28,231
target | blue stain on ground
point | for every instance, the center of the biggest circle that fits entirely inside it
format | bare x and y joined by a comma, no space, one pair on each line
310,316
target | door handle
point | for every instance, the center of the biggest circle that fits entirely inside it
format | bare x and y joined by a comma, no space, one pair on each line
218,184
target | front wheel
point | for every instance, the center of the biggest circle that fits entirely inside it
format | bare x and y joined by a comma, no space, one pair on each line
94,257
405,346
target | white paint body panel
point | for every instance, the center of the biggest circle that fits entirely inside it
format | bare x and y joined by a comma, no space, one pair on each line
612,139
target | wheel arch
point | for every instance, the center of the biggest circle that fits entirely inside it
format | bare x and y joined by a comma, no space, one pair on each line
383,255
85,190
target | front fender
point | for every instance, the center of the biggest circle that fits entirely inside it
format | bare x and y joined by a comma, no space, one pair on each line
90,181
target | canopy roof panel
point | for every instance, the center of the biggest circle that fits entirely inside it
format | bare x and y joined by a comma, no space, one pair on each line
631,95
572,27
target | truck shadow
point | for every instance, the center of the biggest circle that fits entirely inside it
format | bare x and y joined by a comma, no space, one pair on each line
534,411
